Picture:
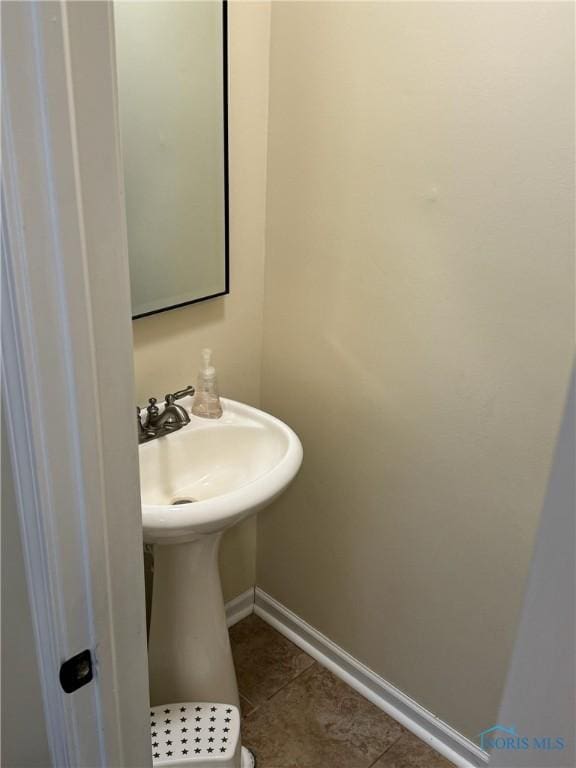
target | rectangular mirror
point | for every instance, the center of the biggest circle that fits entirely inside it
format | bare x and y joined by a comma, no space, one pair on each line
172,92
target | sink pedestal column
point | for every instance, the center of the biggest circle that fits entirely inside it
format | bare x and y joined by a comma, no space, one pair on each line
189,650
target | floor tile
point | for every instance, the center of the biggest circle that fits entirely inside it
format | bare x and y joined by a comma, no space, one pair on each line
264,659
246,707
410,752
317,721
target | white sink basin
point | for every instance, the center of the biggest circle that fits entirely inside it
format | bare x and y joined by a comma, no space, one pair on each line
230,467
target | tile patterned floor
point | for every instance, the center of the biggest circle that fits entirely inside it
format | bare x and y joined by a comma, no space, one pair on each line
296,714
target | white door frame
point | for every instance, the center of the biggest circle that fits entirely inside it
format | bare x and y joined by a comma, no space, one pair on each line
67,375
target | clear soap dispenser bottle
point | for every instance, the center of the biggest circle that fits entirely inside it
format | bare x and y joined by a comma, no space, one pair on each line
207,398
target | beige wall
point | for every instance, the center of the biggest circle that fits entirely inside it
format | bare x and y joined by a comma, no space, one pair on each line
167,346
417,327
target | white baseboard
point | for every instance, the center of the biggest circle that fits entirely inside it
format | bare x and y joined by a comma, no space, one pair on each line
240,607
440,736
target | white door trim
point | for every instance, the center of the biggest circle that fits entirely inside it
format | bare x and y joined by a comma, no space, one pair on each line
67,379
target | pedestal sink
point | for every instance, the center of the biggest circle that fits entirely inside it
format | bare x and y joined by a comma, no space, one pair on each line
195,483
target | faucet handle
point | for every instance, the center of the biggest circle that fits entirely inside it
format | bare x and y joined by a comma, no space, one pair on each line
141,430
152,409
183,392
144,433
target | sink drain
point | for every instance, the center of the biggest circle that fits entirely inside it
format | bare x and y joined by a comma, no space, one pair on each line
182,501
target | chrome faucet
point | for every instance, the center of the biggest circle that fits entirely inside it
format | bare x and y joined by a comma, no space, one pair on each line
162,422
